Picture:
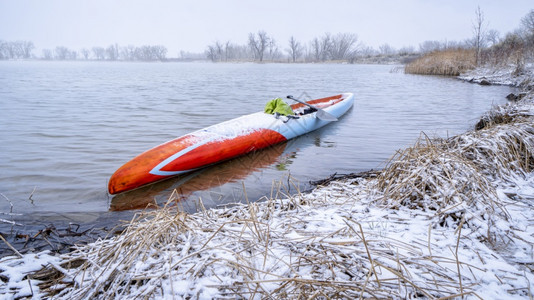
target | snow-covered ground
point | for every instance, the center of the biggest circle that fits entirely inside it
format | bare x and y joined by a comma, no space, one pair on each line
502,75
455,226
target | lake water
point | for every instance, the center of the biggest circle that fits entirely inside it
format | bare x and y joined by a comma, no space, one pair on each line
67,126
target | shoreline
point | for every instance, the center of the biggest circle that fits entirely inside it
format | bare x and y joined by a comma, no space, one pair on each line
502,76
349,237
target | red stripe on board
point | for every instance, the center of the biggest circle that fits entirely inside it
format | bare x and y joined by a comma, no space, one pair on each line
135,173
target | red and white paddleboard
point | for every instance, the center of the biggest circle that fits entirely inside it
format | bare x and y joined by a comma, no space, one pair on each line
221,142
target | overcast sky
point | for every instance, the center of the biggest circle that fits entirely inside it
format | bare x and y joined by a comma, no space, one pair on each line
191,25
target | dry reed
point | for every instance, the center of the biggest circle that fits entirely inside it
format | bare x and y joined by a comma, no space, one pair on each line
430,176
335,242
449,175
450,62
258,250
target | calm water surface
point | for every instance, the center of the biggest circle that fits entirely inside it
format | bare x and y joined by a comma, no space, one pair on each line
66,127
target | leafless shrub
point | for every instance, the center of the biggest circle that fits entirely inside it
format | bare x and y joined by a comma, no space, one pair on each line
511,50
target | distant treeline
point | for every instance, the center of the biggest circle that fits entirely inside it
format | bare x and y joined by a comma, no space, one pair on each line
23,50
16,50
327,47
486,43
341,47
261,47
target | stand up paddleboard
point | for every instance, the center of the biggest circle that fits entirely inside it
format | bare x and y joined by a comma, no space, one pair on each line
226,140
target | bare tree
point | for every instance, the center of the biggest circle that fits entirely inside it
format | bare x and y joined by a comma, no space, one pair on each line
61,53
85,52
3,50
386,49
99,53
527,26
320,48
479,33
493,36
513,49
295,49
527,22
15,49
127,53
429,46
227,50
142,53
258,44
47,54
242,52
211,53
315,49
274,52
189,56
219,49
367,51
343,46
324,46
159,52
11,50
26,48
215,52
406,50
112,52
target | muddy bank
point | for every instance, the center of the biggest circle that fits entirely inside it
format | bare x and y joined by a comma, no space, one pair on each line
510,76
57,233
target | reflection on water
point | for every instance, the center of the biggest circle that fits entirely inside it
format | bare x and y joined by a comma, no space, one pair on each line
180,188
67,126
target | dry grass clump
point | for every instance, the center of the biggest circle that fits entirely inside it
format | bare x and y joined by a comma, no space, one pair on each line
502,114
113,260
292,248
503,143
430,176
500,151
450,62
448,175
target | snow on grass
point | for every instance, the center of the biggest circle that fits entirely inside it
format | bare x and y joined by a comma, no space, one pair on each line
344,240
445,218
508,75
15,274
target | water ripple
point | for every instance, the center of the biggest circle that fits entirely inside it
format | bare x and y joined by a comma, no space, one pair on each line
67,126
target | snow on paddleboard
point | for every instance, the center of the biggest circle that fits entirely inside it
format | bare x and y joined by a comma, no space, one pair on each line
223,141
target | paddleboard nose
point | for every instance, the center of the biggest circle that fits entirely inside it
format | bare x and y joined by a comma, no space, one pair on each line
130,176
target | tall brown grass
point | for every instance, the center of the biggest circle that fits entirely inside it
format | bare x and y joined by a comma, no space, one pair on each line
288,247
449,62
445,175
